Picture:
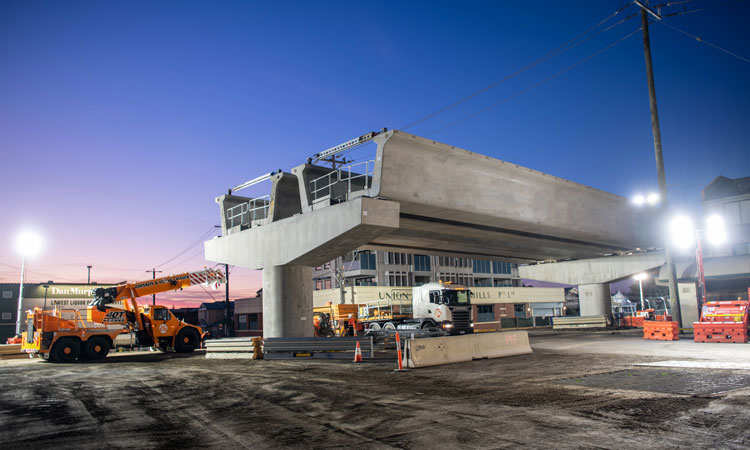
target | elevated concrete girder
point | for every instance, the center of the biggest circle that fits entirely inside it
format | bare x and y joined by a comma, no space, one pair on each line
308,239
593,271
432,237
434,180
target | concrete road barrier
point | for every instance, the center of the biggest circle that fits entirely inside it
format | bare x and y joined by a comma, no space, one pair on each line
454,349
234,348
574,322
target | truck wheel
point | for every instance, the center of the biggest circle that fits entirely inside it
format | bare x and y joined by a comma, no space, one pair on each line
427,325
187,340
97,347
66,350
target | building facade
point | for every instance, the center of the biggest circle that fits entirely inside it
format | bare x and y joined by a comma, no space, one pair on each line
382,268
68,296
248,317
729,198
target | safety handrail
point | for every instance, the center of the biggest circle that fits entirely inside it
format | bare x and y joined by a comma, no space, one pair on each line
323,185
245,213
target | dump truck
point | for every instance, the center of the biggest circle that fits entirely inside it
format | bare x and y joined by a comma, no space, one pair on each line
64,336
433,306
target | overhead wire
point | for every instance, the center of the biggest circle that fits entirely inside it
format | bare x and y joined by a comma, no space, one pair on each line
559,50
701,40
184,260
38,273
535,85
196,242
189,247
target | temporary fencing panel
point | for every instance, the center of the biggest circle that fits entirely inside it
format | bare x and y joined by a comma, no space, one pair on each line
453,349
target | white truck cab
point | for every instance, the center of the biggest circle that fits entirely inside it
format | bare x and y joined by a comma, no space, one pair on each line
443,305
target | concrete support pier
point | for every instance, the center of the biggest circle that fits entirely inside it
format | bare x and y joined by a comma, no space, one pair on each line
595,299
287,301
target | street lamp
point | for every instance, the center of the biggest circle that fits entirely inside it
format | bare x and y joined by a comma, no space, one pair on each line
46,287
685,235
640,277
28,244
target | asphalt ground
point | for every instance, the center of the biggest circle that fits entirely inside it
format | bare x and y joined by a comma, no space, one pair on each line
576,390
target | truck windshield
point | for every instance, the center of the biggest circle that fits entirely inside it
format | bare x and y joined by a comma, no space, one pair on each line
456,297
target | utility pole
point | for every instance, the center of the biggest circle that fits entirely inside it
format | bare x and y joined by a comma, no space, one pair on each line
154,272
671,272
88,279
226,302
333,159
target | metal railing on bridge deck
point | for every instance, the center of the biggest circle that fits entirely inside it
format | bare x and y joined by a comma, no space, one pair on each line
246,213
322,187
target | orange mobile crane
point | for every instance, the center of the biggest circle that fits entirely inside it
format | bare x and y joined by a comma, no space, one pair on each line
60,338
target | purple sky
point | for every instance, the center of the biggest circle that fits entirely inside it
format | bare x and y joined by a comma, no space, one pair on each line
121,121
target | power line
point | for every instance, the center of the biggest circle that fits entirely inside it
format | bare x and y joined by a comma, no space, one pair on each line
189,247
534,86
701,40
562,49
39,273
206,291
184,260
196,242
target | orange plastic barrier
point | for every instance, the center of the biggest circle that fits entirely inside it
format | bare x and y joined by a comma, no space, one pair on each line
661,331
632,321
723,322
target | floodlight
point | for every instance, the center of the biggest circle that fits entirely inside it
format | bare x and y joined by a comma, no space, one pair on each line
682,231
715,232
28,243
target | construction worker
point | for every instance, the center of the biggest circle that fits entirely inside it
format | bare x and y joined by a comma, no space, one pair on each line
351,324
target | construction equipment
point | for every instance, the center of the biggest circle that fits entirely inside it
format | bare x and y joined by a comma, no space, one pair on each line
322,325
340,316
725,321
64,336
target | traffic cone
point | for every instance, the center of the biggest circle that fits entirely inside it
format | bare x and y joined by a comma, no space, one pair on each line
358,354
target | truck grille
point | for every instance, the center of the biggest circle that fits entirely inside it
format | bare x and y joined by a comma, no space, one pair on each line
461,319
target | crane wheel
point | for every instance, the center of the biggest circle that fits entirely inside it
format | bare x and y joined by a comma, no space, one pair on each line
97,347
66,350
186,341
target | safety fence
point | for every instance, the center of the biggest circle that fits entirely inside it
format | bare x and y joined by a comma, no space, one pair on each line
356,177
317,348
245,213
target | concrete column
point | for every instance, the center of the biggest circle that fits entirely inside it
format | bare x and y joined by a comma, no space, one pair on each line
287,301
594,299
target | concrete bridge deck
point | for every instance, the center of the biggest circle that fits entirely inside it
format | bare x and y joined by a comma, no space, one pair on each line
420,196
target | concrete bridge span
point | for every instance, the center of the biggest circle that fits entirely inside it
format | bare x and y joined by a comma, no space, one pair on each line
415,195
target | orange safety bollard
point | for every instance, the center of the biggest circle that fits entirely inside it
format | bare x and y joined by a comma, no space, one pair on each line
358,354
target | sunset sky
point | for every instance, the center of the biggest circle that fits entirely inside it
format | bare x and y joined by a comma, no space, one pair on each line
120,122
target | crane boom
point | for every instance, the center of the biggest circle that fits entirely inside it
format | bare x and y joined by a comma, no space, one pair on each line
104,296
